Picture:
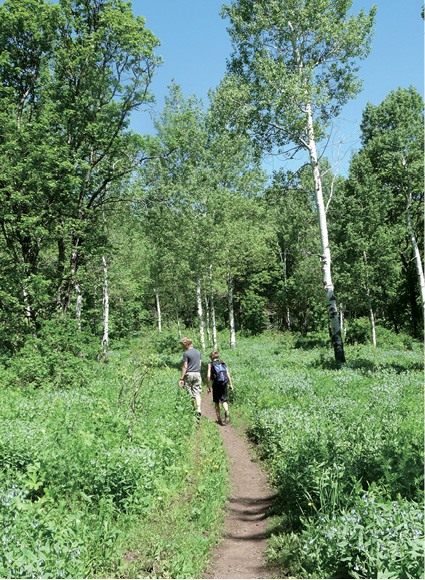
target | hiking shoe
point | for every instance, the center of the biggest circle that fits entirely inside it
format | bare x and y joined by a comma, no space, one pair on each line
219,421
226,417
198,415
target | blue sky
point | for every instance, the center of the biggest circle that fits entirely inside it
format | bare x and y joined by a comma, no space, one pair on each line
195,46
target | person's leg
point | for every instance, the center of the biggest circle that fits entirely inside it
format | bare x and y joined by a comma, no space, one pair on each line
194,387
226,412
198,403
217,411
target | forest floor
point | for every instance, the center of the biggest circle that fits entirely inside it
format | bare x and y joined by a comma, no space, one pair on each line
241,551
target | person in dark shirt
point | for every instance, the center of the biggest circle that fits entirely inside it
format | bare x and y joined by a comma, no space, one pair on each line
219,387
191,372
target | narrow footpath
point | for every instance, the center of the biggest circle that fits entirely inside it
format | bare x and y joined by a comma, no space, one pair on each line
241,551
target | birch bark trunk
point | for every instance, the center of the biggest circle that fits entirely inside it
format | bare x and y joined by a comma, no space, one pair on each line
79,305
336,336
283,260
231,312
158,310
372,324
105,339
369,302
416,254
207,316
326,252
342,320
214,327
200,314
28,313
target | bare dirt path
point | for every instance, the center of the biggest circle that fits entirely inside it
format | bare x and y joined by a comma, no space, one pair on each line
241,552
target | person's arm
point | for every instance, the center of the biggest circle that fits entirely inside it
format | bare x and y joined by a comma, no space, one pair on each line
208,377
230,380
181,382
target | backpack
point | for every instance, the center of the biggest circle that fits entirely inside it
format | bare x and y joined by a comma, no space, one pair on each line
219,371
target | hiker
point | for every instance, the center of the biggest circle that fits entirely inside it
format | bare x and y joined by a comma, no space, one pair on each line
191,372
219,373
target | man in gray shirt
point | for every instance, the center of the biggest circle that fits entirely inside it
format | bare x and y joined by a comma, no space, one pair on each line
191,372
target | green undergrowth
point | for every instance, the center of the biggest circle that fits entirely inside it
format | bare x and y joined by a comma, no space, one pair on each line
344,446
106,473
91,478
176,538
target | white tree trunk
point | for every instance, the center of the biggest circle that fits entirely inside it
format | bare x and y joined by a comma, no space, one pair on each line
283,260
207,316
27,305
372,325
200,316
342,319
416,254
105,304
369,302
214,327
158,310
231,312
79,304
326,253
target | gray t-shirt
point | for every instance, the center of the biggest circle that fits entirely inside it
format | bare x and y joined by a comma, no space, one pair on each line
193,358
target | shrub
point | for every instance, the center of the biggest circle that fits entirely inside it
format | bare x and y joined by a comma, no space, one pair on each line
255,318
313,339
167,343
358,331
391,339
57,356
38,541
74,478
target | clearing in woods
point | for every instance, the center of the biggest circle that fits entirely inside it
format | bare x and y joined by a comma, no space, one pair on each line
241,551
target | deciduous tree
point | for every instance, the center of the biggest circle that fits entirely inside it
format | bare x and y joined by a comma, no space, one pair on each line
380,211
71,74
293,69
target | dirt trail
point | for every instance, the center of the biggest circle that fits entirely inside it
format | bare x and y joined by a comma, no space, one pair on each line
241,552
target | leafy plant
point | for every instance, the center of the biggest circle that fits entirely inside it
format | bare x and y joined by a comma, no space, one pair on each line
374,539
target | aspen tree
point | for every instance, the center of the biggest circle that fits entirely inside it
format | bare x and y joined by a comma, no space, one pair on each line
293,68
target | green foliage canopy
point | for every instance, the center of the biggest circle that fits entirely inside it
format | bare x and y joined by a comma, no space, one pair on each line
71,73
289,56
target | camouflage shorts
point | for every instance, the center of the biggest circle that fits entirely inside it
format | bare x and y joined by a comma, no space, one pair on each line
193,384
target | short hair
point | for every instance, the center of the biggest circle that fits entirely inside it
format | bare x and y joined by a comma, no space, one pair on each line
214,355
186,342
